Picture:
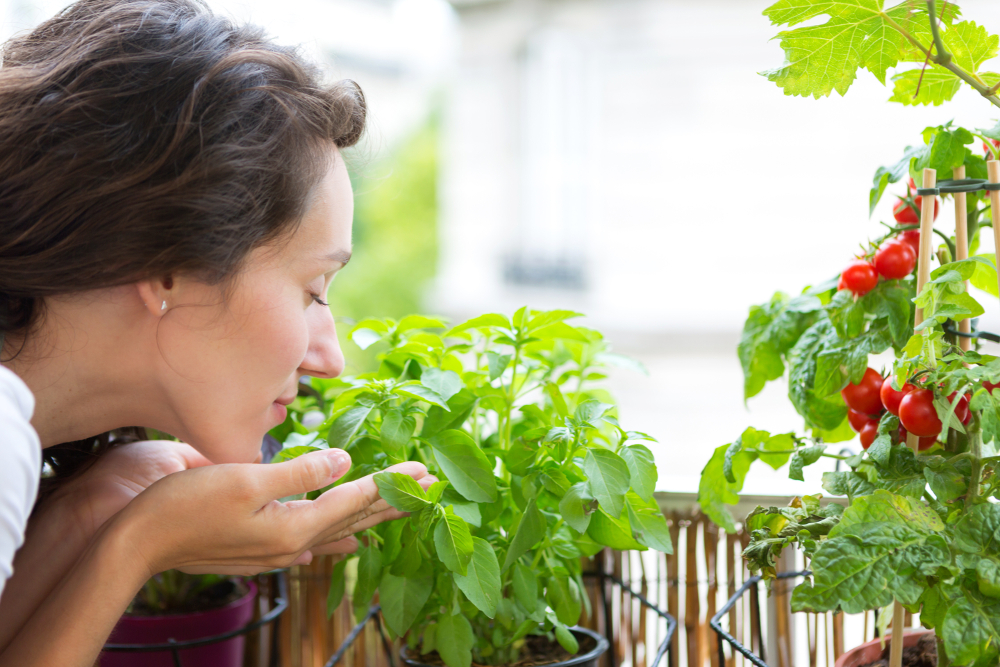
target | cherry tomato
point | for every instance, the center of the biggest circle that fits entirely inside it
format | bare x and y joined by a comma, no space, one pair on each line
890,397
859,277
905,215
895,260
869,433
864,397
911,237
922,444
990,386
986,149
917,413
962,409
859,420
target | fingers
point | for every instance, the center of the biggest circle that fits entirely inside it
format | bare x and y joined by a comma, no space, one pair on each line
348,545
359,498
308,472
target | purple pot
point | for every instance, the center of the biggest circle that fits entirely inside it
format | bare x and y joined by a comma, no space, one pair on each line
184,627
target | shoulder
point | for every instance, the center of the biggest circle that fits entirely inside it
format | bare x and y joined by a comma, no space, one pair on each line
22,465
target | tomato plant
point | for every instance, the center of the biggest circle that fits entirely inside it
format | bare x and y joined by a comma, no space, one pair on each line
535,471
913,527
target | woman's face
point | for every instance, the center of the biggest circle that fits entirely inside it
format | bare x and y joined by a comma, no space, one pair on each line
230,367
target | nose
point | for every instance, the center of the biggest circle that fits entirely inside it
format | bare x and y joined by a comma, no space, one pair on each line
324,358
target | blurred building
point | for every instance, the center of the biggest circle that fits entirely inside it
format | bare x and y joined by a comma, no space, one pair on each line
624,158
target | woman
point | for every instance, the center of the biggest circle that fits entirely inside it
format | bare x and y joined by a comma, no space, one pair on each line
173,208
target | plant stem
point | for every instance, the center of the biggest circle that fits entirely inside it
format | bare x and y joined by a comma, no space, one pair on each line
948,63
976,449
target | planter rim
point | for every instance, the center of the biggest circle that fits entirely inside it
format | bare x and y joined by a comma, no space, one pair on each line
907,633
597,651
251,592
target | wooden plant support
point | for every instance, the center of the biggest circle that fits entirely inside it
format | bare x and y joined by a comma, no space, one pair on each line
993,171
962,250
912,441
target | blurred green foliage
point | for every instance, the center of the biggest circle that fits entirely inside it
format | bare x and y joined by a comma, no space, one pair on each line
395,238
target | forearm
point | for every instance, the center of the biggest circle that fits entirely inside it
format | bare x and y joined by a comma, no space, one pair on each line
71,625
54,542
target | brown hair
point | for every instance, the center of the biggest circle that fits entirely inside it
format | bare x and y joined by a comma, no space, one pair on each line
141,138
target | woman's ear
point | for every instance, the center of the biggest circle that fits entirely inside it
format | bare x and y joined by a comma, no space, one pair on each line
156,294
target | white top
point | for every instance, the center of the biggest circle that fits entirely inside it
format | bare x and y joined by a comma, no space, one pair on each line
20,467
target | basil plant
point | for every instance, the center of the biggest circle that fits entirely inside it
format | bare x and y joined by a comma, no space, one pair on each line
535,474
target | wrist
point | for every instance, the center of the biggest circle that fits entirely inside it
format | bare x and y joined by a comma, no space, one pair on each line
129,539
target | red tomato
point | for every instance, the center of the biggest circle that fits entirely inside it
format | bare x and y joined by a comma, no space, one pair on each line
962,409
890,397
905,215
986,149
859,420
895,260
922,444
859,277
917,413
911,237
869,433
864,397
990,386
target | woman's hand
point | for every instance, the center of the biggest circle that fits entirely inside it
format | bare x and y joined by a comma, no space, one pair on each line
119,476
226,519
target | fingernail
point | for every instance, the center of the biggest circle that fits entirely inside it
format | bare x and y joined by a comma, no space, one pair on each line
340,461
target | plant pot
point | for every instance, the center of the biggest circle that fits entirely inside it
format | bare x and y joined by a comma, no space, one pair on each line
588,659
872,651
180,628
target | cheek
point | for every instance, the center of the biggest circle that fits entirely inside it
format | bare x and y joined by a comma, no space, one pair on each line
280,336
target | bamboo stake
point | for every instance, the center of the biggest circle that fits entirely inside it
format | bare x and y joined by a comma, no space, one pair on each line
929,180
993,168
962,250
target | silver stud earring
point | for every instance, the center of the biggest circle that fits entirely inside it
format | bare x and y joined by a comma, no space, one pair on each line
163,306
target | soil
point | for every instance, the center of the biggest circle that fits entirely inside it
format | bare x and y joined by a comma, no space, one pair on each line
213,597
537,651
923,654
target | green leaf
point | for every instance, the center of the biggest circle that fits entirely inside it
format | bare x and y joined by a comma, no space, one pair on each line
525,586
715,491
576,506
611,532
337,586
419,322
609,479
365,338
347,425
567,640
529,532
453,542
642,470
971,628
438,419
563,596
397,429
498,363
401,491
548,317
293,453
825,412
804,457
402,598
443,383
462,507
465,465
769,333
649,528
521,456
481,322
937,86
415,390
369,577
481,583
454,640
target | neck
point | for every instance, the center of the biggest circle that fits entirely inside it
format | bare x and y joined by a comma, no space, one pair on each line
88,365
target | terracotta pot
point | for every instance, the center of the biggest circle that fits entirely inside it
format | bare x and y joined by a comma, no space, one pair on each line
872,651
184,627
588,659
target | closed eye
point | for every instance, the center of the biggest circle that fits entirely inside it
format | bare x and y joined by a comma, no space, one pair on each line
318,300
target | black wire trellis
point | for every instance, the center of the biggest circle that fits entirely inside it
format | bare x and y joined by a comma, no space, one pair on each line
175,647
603,577
724,637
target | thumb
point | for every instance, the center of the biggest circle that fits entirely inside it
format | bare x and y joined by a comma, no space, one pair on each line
308,472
